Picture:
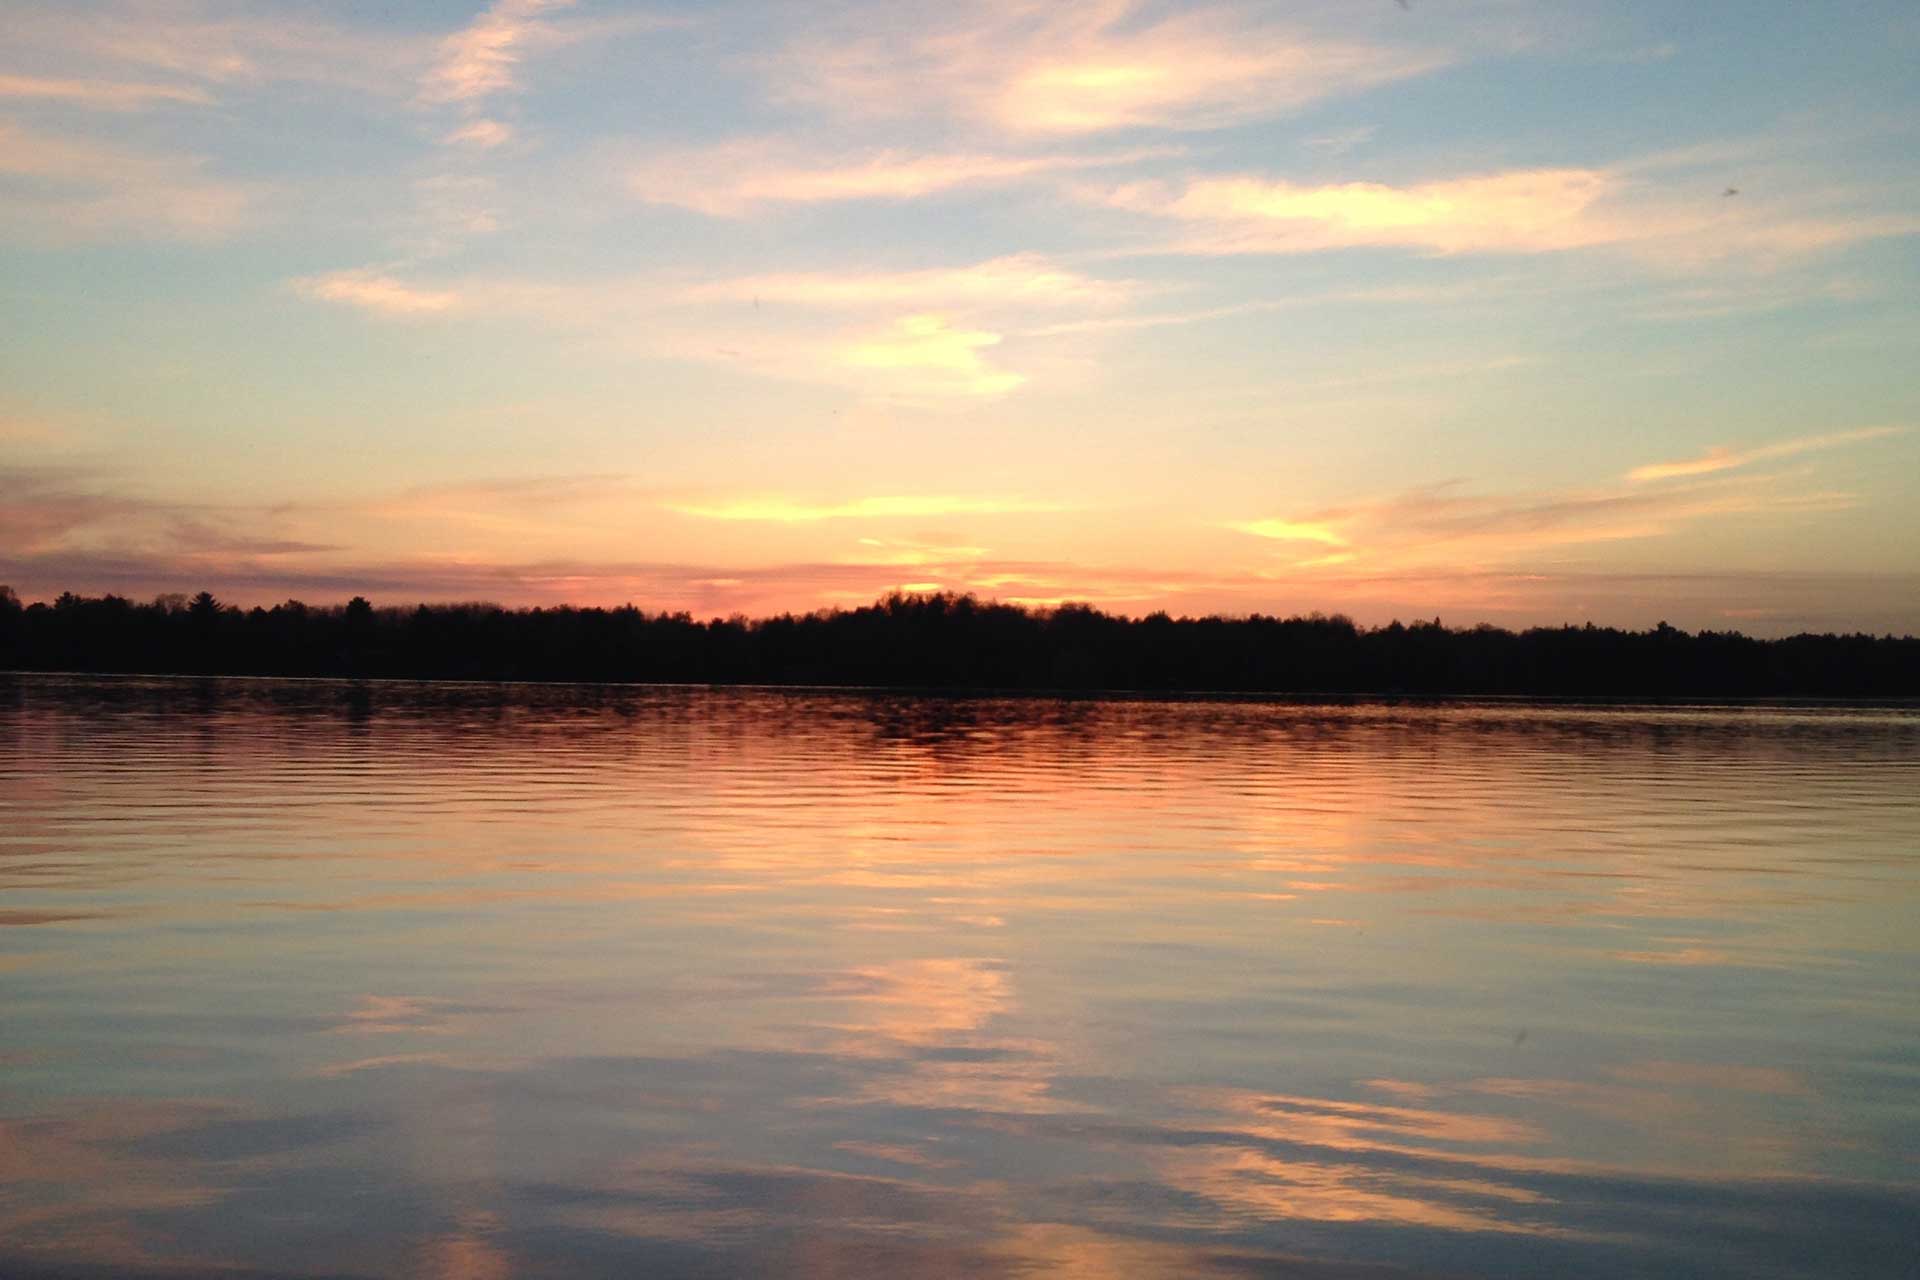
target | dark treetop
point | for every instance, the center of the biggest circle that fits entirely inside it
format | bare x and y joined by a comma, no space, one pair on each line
942,641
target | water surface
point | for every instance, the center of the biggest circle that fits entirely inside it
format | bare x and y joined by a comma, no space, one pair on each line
305,978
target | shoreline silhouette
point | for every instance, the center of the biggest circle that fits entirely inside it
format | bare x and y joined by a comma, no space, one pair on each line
940,641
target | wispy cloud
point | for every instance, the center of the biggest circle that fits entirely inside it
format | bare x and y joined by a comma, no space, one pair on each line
483,57
1386,296
65,530
1290,531
1725,459
372,291
46,505
795,511
1198,72
1081,69
1019,281
923,335
216,47
103,94
1526,211
54,509
481,133
1764,602
934,355
914,552
1341,141
733,179
70,188
1024,279
1446,525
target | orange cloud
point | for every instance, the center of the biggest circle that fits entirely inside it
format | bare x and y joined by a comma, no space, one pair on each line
1724,459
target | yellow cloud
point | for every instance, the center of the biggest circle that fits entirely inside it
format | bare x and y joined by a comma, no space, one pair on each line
1724,459
1291,531
929,345
1076,69
1528,211
898,553
1185,74
1522,211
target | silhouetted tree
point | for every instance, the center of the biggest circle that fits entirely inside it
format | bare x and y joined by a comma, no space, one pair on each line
944,641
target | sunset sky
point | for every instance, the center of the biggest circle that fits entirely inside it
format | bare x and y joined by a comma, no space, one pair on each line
1503,311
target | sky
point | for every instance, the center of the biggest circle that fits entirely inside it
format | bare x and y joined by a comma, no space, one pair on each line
1525,313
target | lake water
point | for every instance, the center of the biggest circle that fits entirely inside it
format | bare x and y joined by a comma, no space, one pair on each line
303,978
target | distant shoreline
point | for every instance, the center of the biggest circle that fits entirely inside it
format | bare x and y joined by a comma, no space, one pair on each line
947,644
1274,697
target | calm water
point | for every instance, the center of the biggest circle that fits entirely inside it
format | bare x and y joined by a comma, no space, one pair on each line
309,979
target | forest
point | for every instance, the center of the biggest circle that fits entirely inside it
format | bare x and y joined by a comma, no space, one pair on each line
940,641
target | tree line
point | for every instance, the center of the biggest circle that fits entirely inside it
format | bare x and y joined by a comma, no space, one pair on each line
940,641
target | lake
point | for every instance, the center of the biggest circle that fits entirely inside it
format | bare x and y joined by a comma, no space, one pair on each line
322,979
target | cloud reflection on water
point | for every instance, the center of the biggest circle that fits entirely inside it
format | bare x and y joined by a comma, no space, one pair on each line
588,983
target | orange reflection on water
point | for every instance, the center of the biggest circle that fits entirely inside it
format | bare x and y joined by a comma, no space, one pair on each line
1267,1187
789,983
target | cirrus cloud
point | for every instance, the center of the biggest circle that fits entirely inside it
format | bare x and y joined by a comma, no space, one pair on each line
68,188
1447,525
1725,459
104,94
798,511
736,178
1023,279
1084,69
480,59
1522,211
